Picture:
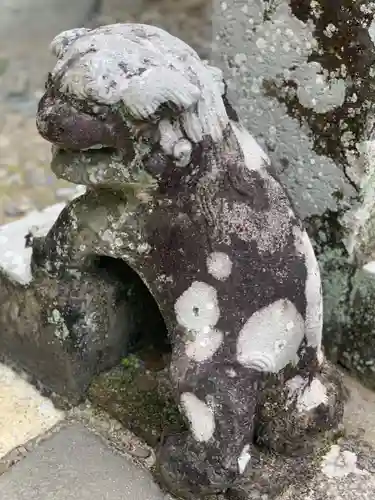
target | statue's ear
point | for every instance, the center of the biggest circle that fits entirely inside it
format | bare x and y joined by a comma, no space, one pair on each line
231,112
147,93
217,76
61,42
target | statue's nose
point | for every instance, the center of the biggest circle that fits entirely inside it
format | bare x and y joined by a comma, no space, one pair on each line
65,126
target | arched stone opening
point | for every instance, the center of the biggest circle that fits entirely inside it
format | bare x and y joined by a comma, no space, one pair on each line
149,336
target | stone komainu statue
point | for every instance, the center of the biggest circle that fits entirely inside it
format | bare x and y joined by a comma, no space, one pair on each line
179,190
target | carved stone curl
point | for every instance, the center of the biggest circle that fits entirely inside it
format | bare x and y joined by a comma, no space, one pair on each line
180,191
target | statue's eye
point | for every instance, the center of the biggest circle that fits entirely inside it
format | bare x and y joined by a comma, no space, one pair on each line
100,112
156,163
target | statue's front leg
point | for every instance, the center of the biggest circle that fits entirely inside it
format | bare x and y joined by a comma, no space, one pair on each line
219,406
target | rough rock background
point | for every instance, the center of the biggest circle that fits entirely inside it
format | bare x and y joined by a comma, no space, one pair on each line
301,74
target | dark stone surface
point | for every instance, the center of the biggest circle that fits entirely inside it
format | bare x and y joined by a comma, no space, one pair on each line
187,199
356,351
295,434
274,476
346,472
139,395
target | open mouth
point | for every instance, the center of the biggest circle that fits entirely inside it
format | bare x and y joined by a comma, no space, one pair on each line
102,167
94,166
92,151
90,156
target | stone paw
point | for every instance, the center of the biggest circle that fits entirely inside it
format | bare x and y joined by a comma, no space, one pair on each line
294,415
188,468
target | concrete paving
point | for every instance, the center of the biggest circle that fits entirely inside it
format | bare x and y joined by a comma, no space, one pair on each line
24,413
44,455
75,464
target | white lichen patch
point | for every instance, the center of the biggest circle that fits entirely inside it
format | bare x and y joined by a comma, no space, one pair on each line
182,152
295,387
15,259
61,42
61,330
219,265
313,290
306,396
170,134
199,415
144,248
173,142
244,459
313,396
24,413
370,267
270,338
255,157
142,67
371,31
204,344
320,356
197,310
316,90
340,463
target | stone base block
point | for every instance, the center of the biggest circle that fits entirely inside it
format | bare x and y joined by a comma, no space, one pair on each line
63,330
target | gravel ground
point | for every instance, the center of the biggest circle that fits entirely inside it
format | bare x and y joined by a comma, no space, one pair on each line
26,29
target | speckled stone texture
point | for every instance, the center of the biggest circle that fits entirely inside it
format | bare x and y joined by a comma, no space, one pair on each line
342,471
301,77
183,194
345,472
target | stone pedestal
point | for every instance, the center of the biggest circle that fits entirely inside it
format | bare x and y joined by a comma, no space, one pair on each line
64,330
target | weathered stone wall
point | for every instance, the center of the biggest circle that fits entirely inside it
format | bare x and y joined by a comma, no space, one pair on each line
189,20
301,75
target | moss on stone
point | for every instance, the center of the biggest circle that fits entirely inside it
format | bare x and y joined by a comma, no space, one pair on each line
139,398
358,343
327,235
